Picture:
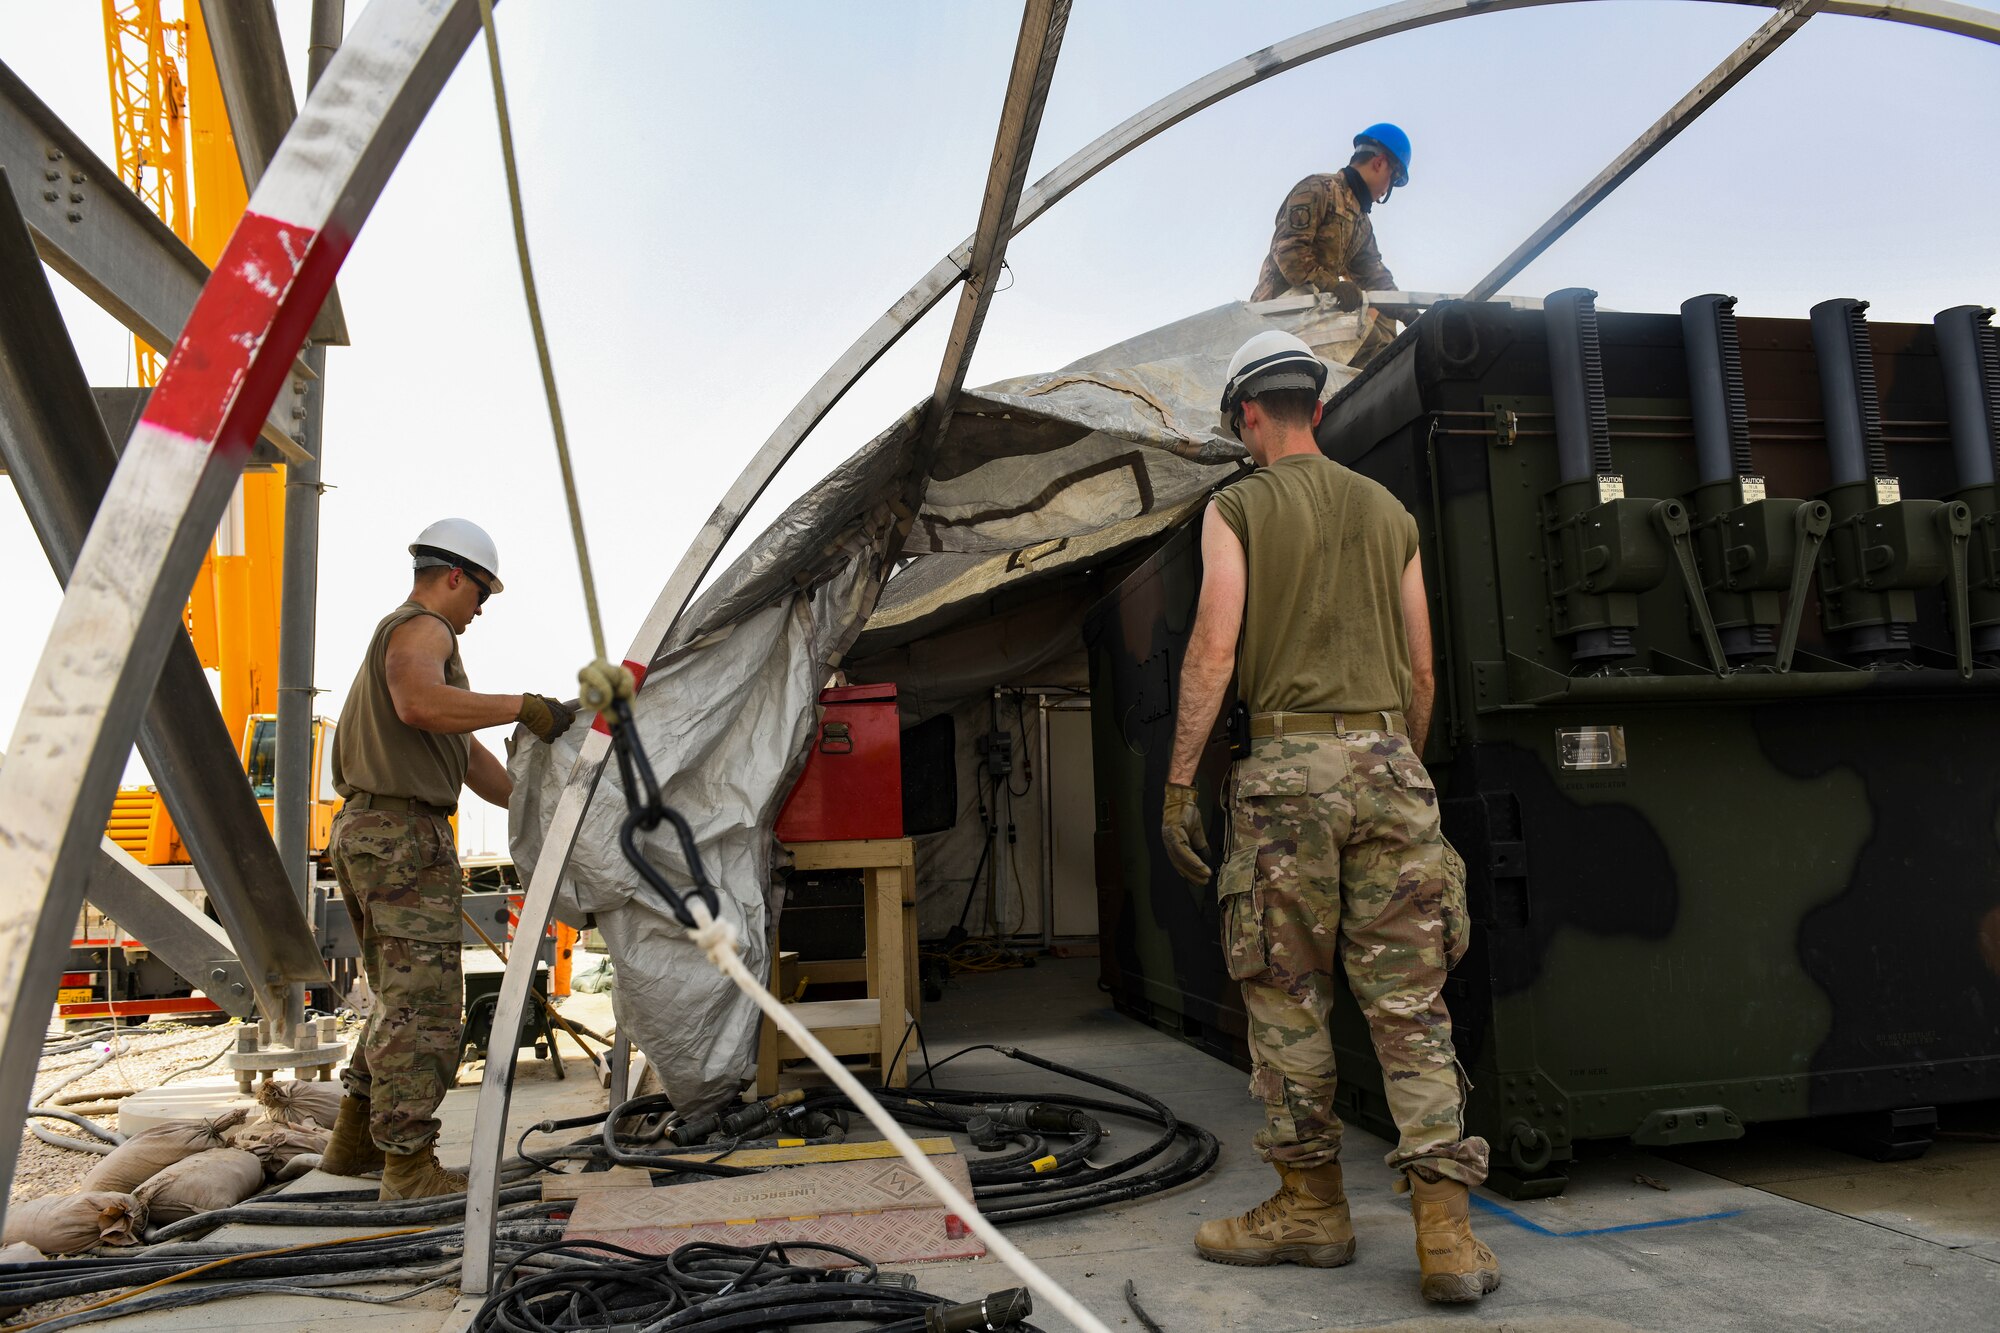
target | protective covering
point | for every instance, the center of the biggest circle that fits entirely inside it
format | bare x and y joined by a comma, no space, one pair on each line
1038,477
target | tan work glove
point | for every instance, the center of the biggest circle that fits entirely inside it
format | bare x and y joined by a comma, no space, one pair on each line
1181,830
547,718
1348,296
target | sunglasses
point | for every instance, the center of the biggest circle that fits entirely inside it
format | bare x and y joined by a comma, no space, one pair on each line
485,589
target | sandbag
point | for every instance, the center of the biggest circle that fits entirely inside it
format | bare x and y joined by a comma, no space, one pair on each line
276,1145
292,1102
218,1178
145,1154
304,1164
72,1223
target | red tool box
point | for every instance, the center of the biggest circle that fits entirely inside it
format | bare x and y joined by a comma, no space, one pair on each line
853,784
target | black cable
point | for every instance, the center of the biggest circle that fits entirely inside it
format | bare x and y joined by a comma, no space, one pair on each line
296,1210
1037,1166
615,1153
908,1028
1027,764
1034,1164
703,1287
972,887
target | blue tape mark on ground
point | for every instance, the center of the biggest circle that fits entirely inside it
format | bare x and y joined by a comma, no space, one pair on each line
1503,1211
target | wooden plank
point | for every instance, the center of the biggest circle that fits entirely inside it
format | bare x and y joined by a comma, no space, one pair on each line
830,1188
589,1182
859,854
819,1014
833,971
896,1236
865,1040
885,902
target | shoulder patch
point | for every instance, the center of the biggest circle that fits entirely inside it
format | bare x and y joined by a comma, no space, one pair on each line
1298,217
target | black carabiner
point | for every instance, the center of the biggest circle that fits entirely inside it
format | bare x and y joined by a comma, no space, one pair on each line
645,811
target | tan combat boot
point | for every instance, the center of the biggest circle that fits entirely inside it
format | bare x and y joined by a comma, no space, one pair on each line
1456,1267
417,1175
350,1150
1305,1222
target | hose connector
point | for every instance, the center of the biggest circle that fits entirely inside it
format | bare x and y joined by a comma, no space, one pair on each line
1040,1117
1002,1309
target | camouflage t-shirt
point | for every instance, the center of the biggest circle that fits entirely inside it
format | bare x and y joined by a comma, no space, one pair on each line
1323,612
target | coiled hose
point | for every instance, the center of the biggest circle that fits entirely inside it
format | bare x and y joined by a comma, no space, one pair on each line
1036,1163
709,1288
1020,1178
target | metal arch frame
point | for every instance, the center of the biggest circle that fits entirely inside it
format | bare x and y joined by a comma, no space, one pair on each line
99,235
490,1117
234,351
56,448
121,612
1042,25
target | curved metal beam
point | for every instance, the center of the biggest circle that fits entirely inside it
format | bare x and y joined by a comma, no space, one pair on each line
1710,89
111,634
489,1126
123,606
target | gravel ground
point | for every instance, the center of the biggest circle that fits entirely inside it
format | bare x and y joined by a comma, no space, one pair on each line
146,1054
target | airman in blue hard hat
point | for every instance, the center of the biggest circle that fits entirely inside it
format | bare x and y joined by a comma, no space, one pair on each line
1324,240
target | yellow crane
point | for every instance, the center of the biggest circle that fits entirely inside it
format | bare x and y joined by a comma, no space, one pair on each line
174,148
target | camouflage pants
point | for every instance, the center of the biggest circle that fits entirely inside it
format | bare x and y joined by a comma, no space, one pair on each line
1335,846
399,876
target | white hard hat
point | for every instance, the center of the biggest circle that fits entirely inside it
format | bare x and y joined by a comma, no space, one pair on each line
456,543
1269,360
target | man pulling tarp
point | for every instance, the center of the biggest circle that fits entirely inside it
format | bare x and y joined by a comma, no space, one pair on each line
1324,239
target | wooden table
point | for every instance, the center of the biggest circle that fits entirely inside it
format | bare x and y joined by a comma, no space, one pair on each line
876,1024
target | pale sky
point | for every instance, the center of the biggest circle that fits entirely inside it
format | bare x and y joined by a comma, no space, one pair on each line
723,196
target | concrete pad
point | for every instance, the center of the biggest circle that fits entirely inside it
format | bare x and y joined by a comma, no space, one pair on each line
1710,1252
1707,1253
1950,1195
194,1099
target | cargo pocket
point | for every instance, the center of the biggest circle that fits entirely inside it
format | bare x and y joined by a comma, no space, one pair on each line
1413,777
1457,922
1244,951
416,891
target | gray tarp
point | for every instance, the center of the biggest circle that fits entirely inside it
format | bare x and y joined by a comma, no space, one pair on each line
1037,474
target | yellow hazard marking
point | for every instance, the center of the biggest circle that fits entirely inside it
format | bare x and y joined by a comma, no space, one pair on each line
1043,1165
791,1143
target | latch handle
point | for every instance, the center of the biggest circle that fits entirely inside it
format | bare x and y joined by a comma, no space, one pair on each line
1956,519
1672,516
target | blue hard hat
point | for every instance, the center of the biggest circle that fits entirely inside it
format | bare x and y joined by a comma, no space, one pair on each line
1391,140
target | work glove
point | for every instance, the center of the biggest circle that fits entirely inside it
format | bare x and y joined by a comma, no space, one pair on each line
1181,830
1348,296
547,718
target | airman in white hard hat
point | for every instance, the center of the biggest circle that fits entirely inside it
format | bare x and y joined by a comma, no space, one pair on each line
1312,598
402,751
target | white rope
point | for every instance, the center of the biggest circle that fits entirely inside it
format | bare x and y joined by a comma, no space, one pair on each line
717,938
602,683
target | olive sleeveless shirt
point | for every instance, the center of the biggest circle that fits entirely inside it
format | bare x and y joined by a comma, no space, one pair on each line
375,751
1323,611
